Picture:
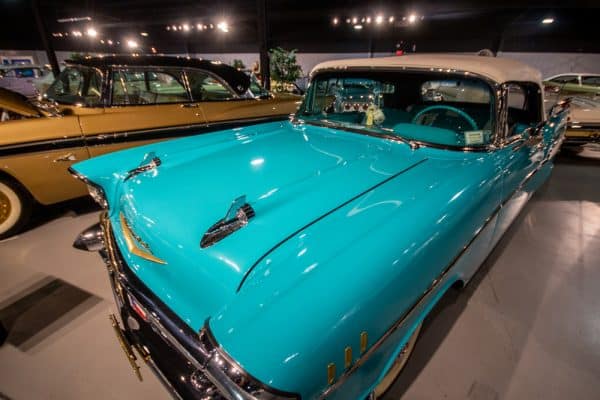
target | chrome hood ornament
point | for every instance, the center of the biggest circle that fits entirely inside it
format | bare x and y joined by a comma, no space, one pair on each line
237,217
149,162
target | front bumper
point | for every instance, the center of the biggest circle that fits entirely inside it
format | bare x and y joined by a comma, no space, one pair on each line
580,135
190,365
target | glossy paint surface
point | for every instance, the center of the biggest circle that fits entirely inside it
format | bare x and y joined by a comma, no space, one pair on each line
350,231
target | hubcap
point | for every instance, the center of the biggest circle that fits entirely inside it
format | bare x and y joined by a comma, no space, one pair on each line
4,207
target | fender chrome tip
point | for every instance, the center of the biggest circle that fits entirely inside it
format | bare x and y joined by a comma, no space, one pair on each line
90,239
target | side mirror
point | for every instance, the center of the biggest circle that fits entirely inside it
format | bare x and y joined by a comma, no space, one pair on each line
559,107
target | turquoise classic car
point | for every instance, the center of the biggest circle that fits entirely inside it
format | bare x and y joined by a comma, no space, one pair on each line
298,259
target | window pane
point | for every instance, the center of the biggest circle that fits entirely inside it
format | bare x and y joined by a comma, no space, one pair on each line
524,107
205,87
566,79
422,106
591,80
76,85
136,87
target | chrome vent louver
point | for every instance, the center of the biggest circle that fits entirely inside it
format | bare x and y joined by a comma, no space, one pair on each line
237,217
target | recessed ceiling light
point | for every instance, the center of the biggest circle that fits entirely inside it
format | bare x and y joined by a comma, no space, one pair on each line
547,21
144,34
358,27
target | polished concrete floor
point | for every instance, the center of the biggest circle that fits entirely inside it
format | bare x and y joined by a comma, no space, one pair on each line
527,327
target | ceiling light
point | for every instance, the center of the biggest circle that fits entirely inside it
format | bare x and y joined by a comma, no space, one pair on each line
358,27
174,27
168,28
110,42
347,20
92,32
391,19
412,18
76,33
144,34
547,21
368,20
132,44
379,19
186,27
354,20
199,27
102,41
153,50
335,21
223,26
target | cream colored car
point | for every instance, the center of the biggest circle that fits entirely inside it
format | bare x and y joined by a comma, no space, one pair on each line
99,105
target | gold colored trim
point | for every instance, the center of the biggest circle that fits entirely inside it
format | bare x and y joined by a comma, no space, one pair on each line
5,207
364,341
125,346
330,373
132,247
347,357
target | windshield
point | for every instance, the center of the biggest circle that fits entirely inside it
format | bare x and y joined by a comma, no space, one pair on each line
76,85
425,107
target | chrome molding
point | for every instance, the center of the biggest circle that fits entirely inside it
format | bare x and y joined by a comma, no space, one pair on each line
200,350
237,217
428,293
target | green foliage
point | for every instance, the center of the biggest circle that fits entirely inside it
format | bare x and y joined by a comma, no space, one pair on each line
238,64
284,67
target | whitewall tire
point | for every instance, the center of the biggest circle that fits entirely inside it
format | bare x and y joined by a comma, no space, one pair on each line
397,366
15,208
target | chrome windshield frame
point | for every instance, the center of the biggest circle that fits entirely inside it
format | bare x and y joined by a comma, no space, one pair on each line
497,103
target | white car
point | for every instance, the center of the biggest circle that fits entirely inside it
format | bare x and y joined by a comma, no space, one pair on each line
21,78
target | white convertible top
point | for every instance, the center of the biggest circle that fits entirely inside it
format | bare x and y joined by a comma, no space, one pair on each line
497,69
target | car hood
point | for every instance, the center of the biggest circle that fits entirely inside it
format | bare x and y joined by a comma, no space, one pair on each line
17,103
292,176
585,110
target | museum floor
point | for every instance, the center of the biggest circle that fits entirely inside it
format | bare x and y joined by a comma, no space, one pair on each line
527,327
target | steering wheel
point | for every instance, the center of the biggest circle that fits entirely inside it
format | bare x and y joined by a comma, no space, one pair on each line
458,111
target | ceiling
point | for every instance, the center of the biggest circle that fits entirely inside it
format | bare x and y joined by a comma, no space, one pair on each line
305,25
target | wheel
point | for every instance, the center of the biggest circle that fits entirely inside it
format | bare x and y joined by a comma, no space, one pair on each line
15,208
398,365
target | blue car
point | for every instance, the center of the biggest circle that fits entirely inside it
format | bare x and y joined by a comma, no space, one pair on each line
298,259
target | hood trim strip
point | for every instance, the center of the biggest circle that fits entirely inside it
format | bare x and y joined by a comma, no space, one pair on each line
323,216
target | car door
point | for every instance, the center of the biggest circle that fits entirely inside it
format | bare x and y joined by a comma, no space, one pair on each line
145,104
223,107
523,149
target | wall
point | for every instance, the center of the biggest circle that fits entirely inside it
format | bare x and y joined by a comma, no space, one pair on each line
548,63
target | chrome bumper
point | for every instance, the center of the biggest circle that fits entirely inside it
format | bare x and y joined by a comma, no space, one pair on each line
189,364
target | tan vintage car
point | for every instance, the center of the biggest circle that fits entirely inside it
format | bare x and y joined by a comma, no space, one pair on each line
99,105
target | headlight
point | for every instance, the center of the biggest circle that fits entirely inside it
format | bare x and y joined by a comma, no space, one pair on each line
230,378
98,195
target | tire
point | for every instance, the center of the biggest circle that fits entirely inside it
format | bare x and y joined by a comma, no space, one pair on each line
397,366
15,208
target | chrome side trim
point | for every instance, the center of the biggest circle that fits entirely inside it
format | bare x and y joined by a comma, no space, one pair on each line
428,293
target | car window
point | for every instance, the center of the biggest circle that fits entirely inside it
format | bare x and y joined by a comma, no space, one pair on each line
138,87
25,73
428,107
591,80
566,79
77,85
524,107
206,87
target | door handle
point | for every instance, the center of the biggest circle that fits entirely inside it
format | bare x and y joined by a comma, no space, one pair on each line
66,158
190,105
